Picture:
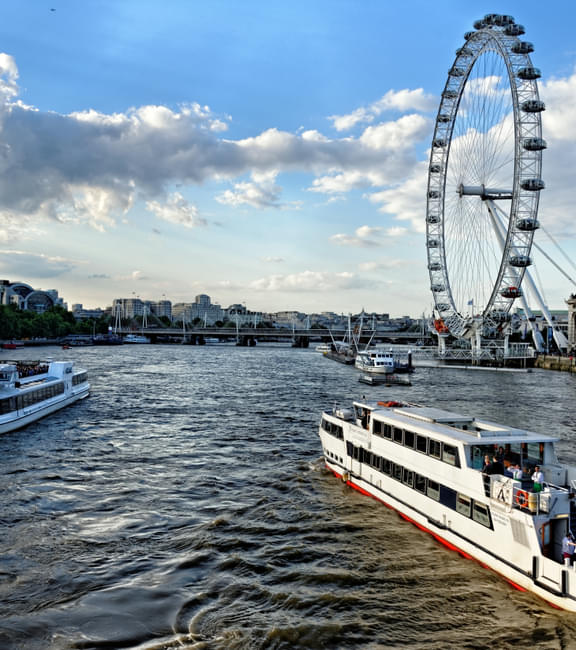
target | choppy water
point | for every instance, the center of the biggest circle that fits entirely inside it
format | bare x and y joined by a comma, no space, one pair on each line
185,505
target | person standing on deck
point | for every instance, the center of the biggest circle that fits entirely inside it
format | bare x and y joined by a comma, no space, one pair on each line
568,547
538,479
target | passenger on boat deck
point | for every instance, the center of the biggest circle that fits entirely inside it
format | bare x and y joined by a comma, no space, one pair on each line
486,463
517,473
568,547
500,454
538,479
495,467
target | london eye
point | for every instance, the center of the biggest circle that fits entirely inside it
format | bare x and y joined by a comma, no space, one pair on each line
484,179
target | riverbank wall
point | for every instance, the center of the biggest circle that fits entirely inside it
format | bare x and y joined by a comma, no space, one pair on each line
547,362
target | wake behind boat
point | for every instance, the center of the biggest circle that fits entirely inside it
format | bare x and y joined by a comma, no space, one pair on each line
31,390
428,464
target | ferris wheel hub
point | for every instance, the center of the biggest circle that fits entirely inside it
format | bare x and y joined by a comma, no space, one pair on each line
485,193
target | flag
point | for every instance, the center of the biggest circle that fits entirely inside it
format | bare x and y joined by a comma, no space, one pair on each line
471,302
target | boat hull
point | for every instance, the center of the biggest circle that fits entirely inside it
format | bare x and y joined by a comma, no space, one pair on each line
553,590
32,414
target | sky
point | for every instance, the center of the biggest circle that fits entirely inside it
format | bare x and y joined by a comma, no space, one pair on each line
262,152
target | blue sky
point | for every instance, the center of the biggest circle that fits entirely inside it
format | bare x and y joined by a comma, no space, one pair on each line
271,153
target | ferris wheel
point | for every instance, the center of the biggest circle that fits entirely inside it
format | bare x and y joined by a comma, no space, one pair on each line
484,179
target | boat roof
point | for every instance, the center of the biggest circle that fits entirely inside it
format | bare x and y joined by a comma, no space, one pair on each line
447,424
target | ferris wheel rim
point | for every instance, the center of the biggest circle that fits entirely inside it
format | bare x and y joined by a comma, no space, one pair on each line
499,35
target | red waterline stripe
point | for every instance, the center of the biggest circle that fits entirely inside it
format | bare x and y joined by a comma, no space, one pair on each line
440,539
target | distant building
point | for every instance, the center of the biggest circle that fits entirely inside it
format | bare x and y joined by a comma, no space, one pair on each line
128,307
80,313
571,302
26,297
162,308
202,308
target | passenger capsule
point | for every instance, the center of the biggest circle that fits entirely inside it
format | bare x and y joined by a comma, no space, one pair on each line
522,47
450,94
443,117
434,266
529,73
491,19
533,184
432,218
455,71
534,144
520,261
435,169
479,24
442,306
527,224
511,293
437,288
468,35
433,243
514,30
533,106
433,194
438,143
464,51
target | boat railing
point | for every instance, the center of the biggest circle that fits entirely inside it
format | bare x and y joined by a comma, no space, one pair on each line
521,495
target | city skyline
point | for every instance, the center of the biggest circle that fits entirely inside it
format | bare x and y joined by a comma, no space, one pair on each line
273,155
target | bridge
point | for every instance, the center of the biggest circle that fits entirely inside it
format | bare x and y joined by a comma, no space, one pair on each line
249,335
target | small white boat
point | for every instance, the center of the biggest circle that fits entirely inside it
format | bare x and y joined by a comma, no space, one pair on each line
375,362
428,464
323,347
31,390
136,338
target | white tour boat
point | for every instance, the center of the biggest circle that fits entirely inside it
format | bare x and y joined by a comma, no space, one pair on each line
31,390
427,464
136,338
376,362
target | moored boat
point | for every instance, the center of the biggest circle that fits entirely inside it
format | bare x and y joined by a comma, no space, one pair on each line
428,464
31,390
136,338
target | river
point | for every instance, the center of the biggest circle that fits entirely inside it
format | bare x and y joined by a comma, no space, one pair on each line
185,505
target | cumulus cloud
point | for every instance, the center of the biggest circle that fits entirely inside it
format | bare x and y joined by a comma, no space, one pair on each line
309,281
23,264
91,167
384,265
176,209
261,192
401,100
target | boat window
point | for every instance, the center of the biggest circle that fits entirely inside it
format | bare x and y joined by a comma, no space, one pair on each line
366,456
376,460
448,497
397,472
387,466
481,514
422,444
387,431
7,405
535,453
450,455
434,448
409,439
408,477
349,448
356,453
397,435
377,427
420,483
433,490
464,505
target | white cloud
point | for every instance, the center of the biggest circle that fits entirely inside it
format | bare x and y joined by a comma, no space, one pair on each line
368,236
176,209
321,281
401,100
385,265
261,192
23,264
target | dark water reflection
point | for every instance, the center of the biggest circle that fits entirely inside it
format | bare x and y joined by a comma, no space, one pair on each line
185,505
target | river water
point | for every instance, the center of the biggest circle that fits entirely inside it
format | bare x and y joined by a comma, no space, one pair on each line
185,505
